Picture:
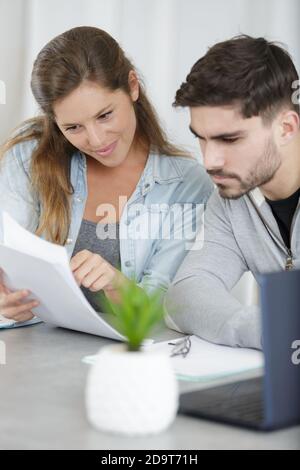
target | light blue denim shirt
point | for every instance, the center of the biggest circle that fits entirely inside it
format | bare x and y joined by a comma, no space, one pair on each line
169,189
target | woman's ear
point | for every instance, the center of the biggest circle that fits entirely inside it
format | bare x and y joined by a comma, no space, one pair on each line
134,86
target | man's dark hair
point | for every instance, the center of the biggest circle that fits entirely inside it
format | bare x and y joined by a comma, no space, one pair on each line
253,73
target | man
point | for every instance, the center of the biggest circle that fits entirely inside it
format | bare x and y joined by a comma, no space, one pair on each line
244,112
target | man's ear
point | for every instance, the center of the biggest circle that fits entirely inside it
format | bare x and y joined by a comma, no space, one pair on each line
288,126
134,85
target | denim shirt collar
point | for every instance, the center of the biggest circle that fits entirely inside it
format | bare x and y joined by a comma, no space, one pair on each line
78,174
164,170
155,171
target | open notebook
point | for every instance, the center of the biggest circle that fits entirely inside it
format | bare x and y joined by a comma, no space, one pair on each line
30,262
204,361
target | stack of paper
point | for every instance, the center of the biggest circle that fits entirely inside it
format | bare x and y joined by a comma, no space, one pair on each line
206,361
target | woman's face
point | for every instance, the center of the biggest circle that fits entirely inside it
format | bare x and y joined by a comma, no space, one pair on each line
99,122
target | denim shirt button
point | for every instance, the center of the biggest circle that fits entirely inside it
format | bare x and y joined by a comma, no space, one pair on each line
128,264
78,199
69,241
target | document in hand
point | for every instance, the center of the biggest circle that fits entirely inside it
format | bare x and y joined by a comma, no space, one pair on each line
30,262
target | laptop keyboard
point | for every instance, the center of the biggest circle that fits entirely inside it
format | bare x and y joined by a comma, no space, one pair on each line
239,402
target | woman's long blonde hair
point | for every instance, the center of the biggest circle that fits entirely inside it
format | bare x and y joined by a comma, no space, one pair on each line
82,53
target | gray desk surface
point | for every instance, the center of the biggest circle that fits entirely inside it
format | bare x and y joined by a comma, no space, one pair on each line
42,402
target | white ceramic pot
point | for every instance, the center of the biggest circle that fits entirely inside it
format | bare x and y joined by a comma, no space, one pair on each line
131,393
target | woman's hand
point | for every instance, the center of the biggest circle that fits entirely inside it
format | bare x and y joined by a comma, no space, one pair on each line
12,305
93,272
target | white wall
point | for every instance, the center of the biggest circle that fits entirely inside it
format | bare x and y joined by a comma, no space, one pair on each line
162,37
12,62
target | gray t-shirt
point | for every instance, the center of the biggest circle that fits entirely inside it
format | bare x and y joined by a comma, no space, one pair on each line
102,239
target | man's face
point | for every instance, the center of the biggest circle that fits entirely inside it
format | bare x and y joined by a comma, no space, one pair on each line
239,154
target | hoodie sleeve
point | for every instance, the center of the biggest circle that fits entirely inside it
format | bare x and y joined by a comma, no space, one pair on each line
199,301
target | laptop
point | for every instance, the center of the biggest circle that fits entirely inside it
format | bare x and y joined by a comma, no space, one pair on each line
272,401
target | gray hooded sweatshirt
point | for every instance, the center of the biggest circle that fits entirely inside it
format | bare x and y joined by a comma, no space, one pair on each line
239,235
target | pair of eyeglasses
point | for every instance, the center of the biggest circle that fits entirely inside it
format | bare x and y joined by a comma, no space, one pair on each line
181,348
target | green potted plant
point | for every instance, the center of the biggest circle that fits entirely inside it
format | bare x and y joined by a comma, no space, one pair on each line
131,390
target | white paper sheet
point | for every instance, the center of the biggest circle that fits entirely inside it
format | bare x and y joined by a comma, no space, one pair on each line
207,360
30,262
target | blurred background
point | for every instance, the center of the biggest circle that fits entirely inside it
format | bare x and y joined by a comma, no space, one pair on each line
162,37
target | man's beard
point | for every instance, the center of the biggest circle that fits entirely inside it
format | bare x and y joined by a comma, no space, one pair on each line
264,170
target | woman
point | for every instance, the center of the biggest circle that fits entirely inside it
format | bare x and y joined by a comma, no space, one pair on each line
94,168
